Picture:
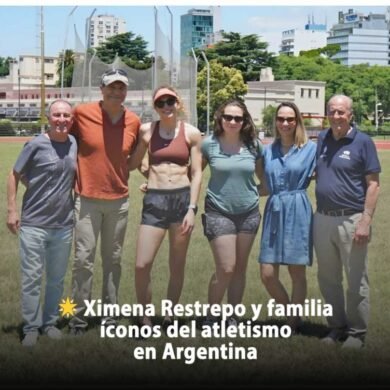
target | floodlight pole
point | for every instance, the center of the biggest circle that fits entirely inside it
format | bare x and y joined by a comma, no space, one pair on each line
90,73
208,93
194,87
87,33
63,51
171,50
155,49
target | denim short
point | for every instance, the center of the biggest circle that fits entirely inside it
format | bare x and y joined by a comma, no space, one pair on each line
216,223
163,207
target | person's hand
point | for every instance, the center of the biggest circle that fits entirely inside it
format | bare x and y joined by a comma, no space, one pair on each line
362,232
143,187
13,222
188,223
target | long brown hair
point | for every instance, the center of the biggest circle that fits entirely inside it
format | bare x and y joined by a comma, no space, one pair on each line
300,136
248,130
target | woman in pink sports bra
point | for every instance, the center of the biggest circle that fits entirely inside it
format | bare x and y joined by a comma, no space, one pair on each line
170,203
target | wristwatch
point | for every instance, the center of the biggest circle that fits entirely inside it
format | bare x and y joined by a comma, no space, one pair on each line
193,207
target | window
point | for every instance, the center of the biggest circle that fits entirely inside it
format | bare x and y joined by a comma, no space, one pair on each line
302,92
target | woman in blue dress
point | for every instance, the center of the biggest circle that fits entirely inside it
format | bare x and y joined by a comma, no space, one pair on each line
289,164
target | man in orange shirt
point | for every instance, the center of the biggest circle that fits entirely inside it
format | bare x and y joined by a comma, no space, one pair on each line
106,133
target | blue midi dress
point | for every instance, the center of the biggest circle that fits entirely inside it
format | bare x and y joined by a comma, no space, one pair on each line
287,236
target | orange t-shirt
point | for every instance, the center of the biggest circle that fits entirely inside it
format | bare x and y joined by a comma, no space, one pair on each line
103,149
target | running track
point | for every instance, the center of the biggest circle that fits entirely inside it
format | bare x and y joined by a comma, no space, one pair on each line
380,144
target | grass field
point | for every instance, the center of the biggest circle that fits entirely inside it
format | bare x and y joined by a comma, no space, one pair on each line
90,360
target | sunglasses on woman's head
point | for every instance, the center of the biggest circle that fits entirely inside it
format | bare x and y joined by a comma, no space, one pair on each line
160,103
229,118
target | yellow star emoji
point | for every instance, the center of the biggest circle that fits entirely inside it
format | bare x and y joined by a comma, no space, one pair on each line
67,307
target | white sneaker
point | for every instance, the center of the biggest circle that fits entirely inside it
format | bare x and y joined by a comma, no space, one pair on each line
30,339
334,336
53,333
353,343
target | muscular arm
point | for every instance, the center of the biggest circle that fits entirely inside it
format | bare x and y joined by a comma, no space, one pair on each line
135,159
13,221
196,166
196,178
362,231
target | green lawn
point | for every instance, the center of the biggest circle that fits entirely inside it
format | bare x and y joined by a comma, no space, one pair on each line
91,360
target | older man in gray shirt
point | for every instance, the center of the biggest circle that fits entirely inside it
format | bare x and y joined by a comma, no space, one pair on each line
47,166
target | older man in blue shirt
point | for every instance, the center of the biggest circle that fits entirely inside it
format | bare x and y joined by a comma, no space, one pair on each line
347,192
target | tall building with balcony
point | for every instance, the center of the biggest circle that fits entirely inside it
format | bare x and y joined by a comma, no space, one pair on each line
313,36
362,39
195,28
103,27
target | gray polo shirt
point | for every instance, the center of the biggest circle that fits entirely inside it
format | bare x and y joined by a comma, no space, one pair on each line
48,169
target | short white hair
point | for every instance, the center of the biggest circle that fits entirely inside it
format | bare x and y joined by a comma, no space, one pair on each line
343,97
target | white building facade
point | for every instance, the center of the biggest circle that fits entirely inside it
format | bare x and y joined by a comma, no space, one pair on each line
103,27
28,68
313,36
309,96
362,39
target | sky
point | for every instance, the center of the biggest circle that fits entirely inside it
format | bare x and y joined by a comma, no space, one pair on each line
19,25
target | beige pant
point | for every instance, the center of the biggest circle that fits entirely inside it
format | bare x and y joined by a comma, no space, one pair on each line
109,219
336,250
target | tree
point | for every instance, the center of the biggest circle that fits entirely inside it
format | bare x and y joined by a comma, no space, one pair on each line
225,83
246,53
268,118
130,48
361,82
69,59
4,65
6,127
327,51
